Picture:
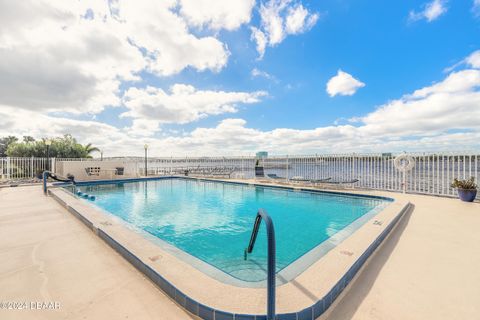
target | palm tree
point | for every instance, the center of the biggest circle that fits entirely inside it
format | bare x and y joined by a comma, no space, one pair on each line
89,149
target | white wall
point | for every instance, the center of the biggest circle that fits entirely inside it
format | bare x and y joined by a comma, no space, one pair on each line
107,167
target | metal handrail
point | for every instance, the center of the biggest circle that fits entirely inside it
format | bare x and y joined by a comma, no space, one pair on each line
263,215
47,174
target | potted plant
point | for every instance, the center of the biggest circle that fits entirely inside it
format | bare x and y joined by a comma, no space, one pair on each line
467,189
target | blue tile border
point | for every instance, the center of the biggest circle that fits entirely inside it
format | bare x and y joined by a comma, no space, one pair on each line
191,306
207,313
221,315
305,314
244,317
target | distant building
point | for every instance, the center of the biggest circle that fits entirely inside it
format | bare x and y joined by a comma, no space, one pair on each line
262,154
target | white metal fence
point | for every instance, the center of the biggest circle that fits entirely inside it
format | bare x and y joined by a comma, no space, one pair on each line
24,168
432,173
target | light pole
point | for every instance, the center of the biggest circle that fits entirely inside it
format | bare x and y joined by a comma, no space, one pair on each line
48,142
146,148
101,155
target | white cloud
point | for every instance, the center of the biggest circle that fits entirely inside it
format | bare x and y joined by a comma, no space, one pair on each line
169,46
453,103
474,59
262,74
143,128
476,7
299,20
423,120
217,14
58,60
183,103
56,57
444,115
280,18
432,11
41,125
75,56
343,84
260,39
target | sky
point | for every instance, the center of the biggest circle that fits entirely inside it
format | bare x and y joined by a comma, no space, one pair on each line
232,77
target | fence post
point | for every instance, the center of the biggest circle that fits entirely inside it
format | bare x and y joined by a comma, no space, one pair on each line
286,176
353,166
8,168
53,165
32,174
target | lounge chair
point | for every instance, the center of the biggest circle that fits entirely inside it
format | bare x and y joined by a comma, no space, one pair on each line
224,172
274,176
343,182
340,184
312,181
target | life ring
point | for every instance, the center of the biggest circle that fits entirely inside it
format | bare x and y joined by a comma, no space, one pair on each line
404,162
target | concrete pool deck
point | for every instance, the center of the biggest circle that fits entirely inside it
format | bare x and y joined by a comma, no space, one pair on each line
46,255
427,268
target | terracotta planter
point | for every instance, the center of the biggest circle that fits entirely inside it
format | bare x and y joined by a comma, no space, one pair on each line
467,195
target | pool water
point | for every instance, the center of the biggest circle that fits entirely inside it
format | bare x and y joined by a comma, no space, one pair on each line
212,221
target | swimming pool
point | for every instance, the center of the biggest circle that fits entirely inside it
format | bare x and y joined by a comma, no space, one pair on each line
212,221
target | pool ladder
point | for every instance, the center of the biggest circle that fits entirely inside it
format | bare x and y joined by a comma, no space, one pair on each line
263,215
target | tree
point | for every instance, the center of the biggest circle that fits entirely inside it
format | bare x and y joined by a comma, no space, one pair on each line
28,139
89,149
60,147
5,143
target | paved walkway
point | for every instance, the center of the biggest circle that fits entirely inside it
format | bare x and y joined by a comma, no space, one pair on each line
47,255
427,269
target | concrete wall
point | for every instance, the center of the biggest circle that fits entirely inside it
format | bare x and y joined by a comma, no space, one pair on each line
107,169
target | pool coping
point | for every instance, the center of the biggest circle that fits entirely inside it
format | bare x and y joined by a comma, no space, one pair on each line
307,296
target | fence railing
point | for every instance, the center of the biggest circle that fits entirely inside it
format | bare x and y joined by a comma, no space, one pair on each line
12,168
432,173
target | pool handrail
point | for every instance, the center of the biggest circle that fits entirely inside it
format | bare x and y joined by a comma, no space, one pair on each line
47,174
271,266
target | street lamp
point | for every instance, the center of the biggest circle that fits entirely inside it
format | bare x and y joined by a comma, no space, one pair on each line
146,148
101,155
48,142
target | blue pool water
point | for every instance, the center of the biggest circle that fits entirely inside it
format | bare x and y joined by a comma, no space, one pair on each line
212,221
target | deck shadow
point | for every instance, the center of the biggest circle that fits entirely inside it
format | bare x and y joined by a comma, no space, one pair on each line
346,307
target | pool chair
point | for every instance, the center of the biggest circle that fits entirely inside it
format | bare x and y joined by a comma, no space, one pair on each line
223,173
300,179
273,176
340,184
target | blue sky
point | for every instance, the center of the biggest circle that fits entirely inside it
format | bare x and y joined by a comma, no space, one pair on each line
372,40
277,97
